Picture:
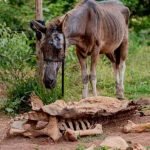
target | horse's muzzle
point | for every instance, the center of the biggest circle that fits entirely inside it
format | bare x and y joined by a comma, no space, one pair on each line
49,84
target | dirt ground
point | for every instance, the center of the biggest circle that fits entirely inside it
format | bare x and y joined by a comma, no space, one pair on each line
44,143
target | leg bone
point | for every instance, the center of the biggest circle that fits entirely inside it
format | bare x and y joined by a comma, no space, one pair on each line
73,135
132,127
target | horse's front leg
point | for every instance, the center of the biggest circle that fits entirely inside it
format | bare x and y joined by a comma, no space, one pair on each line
85,78
93,79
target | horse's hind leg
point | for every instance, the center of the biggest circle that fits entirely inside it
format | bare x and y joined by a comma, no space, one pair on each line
119,68
118,63
119,71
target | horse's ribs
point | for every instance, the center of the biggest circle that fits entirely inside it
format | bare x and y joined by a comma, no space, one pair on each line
73,119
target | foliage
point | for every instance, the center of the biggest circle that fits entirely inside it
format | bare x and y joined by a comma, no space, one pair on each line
17,13
17,58
15,55
80,147
140,23
20,12
19,95
138,7
56,8
17,72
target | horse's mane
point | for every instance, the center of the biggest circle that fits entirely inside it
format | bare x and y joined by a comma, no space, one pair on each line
57,21
53,23
90,7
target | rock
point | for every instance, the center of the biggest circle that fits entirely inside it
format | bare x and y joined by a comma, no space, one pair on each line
115,142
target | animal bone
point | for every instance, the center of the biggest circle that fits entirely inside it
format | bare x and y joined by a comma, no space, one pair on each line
51,130
17,127
73,135
132,127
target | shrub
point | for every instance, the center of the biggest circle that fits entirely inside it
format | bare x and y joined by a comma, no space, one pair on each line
15,55
18,101
17,72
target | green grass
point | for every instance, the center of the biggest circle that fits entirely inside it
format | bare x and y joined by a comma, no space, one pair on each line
137,76
82,147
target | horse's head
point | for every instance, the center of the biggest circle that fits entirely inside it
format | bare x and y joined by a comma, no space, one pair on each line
52,45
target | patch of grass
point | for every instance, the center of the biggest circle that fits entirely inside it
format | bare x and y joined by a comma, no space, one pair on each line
19,96
80,147
92,138
147,147
102,148
137,77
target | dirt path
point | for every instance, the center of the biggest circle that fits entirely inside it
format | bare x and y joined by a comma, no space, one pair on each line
44,143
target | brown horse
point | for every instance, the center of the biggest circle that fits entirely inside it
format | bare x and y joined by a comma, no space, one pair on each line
94,28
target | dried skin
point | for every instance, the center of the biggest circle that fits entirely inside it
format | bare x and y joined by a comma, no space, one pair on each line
36,102
100,106
73,118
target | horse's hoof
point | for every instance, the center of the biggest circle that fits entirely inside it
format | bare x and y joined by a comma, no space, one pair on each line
120,97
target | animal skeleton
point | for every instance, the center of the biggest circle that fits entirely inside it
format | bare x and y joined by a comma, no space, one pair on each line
69,120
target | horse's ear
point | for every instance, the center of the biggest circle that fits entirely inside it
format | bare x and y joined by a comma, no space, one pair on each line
59,23
38,26
58,26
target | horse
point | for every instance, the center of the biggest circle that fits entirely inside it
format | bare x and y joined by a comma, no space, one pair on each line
93,28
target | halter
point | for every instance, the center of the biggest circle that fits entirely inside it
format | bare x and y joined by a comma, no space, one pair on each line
63,65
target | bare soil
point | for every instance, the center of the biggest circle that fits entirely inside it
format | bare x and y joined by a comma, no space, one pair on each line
45,143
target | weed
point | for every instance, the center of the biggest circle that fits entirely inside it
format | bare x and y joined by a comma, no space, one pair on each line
80,147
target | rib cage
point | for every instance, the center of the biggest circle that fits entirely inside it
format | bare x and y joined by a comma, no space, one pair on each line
75,125
63,125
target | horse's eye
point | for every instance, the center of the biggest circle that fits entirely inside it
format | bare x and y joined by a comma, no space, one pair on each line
57,38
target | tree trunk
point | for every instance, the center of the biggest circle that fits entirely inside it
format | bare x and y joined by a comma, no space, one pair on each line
39,16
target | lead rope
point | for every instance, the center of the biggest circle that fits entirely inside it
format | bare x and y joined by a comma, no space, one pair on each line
63,69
